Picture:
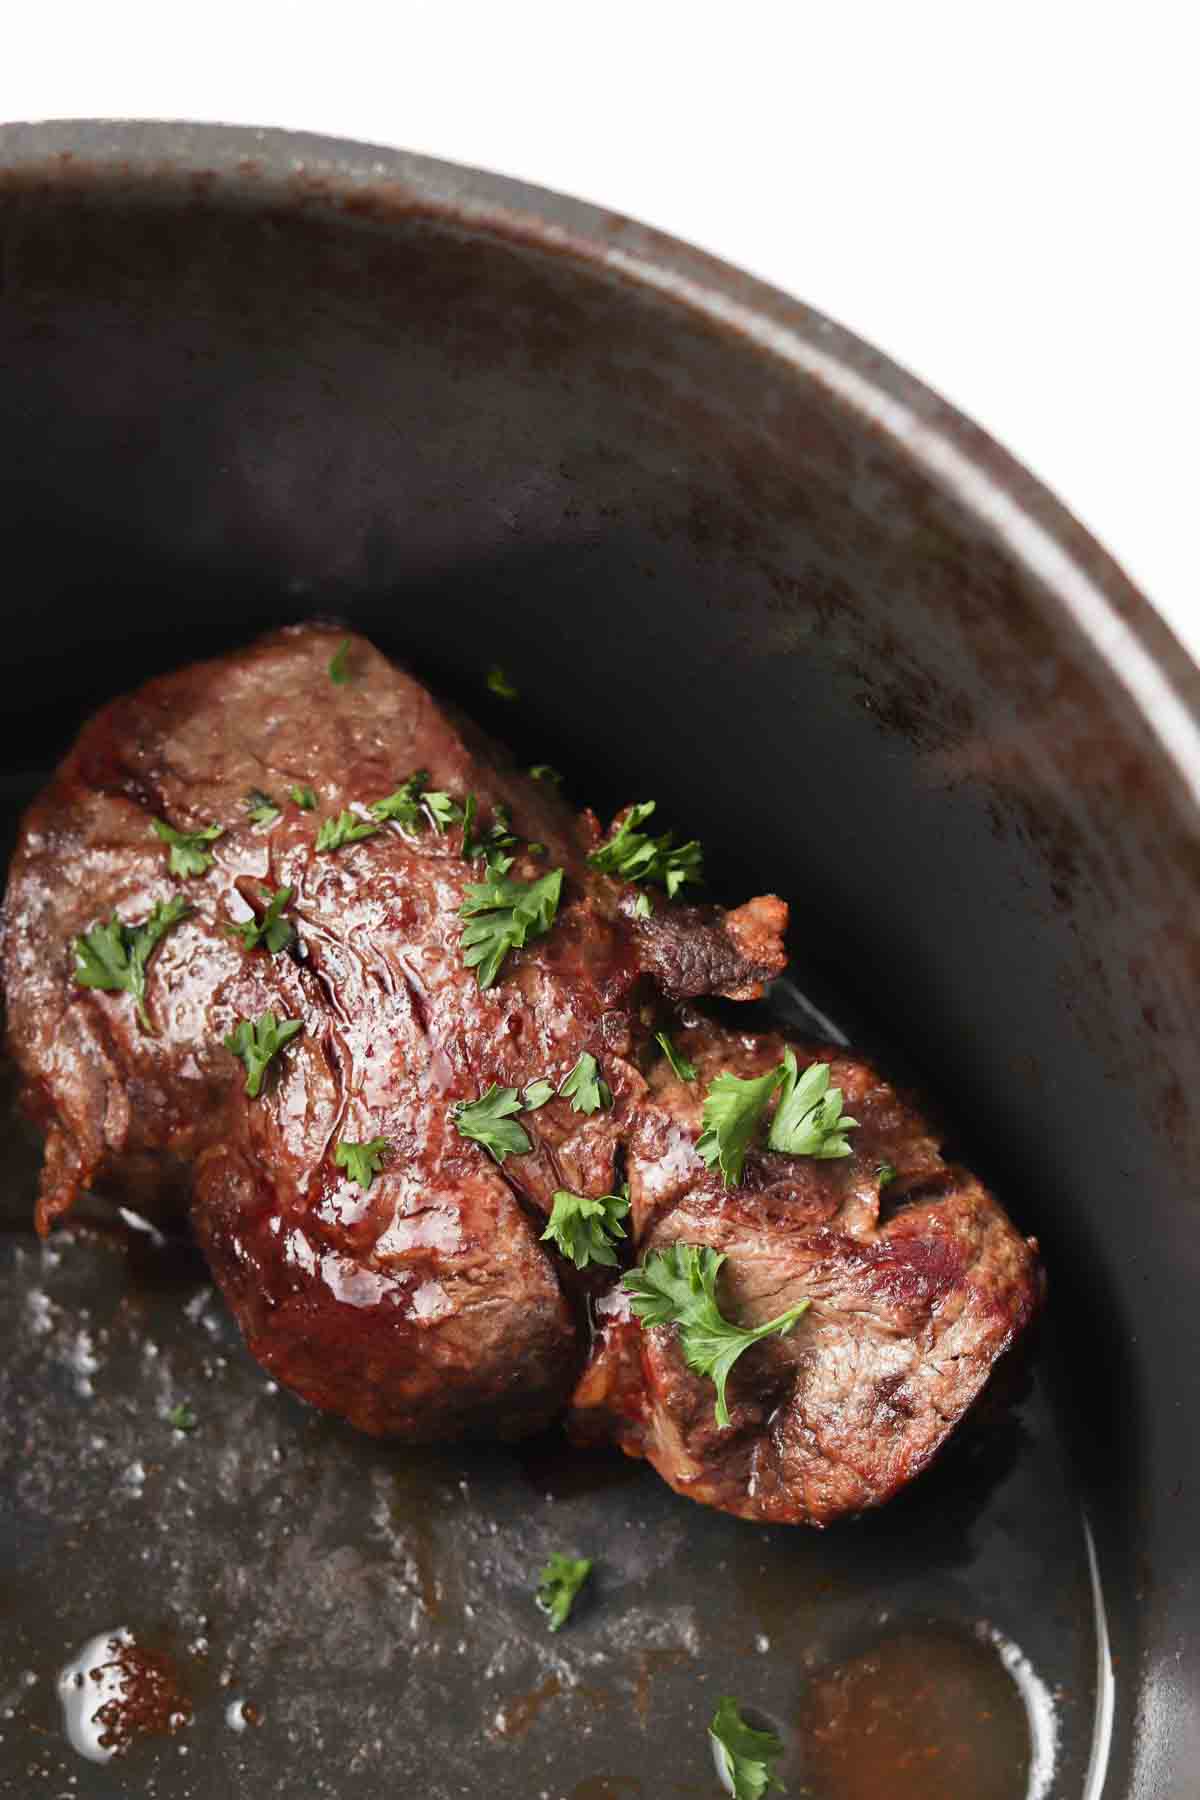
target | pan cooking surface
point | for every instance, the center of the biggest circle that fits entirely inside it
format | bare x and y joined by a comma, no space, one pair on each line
342,1617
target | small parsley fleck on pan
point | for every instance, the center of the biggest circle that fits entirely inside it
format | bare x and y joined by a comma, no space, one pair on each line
182,1418
543,772
677,1286
500,685
115,956
489,1121
362,1162
303,796
256,1041
345,829
584,1229
504,915
559,1584
272,929
584,1087
745,1757
188,855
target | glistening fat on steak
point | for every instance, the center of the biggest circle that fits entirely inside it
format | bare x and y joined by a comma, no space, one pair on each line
446,931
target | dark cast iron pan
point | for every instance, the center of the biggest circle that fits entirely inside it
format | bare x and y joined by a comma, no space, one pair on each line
735,559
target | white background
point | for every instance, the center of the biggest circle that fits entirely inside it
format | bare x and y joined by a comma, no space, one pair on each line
1004,196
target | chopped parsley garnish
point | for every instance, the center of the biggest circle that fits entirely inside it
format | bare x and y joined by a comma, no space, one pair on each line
261,808
631,855
684,1070
303,796
537,1094
584,1087
543,772
732,1109
558,1585
809,1120
489,1121
585,1229
746,1757
345,829
677,1286
442,810
182,1418
188,855
499,684
339,664
887,1173
115,956
643,907
503,915
492,843
362,1162
414,808
272,929
256,1041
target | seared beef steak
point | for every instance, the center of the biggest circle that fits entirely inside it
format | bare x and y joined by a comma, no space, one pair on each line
425,1304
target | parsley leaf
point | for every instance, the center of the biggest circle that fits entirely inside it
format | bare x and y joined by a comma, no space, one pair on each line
490,843
256,1041
442,810
188,857
631,855
272,930
684,1070
339,664
559,1583
303,796
261,808
732,1109
488,1121
583,1086
543,772
182,1418
404,806
499,683
115,956
412,807
887,1173
677,1286
808,1120
345,829
584,1229
744,1756
362,1162
643,907
504,915
537,1094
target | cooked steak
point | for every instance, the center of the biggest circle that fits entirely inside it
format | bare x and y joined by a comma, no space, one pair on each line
906,1316
443,936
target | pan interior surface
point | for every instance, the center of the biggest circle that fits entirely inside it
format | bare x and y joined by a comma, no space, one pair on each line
247,379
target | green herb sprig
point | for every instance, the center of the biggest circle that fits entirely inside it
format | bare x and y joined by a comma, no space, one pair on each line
677,1286
115,956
